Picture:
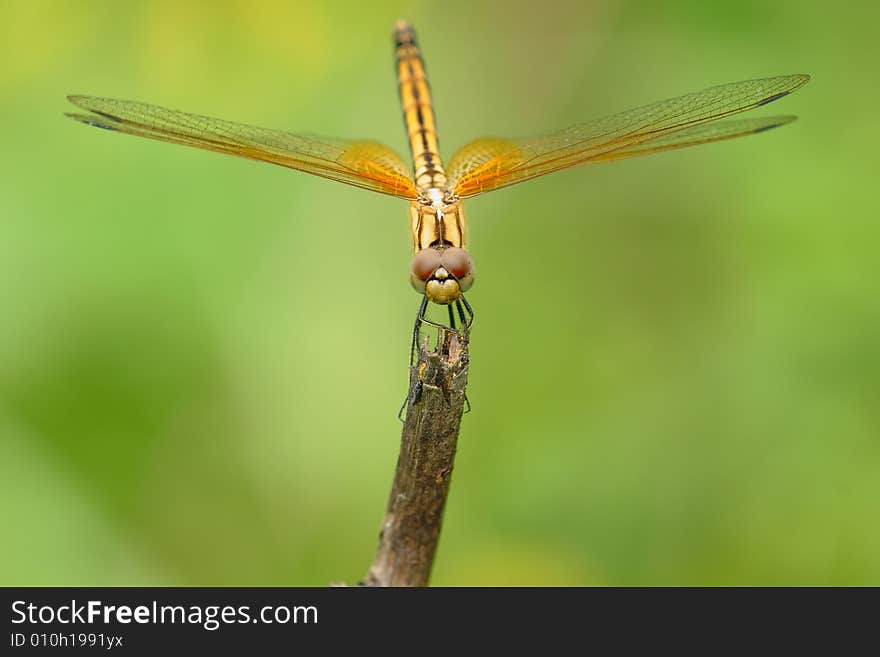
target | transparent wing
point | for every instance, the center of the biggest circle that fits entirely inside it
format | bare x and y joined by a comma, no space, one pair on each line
487,164
701,134
364,164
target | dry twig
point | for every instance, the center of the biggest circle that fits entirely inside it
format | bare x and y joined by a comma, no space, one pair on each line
436,400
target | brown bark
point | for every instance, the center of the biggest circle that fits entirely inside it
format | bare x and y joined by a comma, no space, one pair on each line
411,529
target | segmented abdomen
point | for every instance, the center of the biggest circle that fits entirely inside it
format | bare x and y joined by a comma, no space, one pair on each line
418,111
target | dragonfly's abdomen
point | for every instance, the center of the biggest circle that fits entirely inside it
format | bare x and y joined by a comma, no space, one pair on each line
418,111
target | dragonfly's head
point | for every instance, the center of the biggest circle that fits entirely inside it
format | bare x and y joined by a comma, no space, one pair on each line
442,273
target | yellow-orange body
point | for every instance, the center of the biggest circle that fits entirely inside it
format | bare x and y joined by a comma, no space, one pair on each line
436,218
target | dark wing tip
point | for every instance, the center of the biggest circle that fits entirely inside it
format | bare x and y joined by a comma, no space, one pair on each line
99,118
775,122
791,83
770,99
90,120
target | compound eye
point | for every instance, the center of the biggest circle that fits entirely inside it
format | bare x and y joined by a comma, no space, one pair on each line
424,263
465,282
457,262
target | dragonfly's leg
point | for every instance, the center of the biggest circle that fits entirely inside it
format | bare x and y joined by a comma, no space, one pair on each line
470,312
413,358
401,413
461,316
466,314
451,317
415,339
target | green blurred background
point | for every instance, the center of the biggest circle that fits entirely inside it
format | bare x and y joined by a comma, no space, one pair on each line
201,358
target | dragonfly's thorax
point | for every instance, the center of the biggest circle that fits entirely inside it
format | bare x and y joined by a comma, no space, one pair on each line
441,267
437,220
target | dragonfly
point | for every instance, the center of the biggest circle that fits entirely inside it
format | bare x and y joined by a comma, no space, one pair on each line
441,269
